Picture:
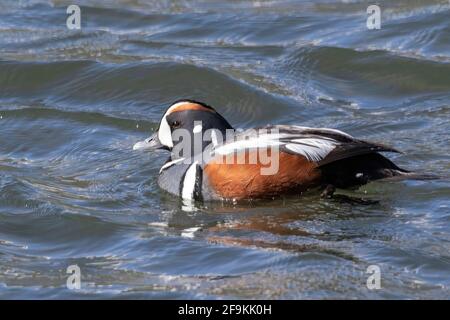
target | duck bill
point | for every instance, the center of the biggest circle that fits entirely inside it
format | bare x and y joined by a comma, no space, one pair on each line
151,143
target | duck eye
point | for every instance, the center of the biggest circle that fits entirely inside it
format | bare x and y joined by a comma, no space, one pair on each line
175,124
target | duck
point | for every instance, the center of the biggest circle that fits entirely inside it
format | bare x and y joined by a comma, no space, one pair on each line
210,160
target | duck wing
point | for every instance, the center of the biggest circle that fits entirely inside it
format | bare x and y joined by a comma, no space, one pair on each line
319,145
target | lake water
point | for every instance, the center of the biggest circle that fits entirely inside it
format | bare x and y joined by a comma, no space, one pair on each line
73,192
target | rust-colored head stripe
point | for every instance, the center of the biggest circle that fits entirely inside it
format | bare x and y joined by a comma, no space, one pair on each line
188,105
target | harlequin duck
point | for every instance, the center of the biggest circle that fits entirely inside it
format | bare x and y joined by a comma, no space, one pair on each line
212,161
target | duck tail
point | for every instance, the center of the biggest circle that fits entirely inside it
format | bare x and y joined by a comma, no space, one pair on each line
401,174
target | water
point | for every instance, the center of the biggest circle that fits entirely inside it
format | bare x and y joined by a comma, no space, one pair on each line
73,103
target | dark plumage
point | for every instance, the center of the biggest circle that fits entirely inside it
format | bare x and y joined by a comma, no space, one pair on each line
307,158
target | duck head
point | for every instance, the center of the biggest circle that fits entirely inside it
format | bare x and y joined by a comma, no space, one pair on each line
181,122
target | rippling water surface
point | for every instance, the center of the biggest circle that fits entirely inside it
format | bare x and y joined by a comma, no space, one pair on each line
73,103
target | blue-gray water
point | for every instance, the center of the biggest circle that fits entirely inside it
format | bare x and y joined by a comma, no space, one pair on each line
73,103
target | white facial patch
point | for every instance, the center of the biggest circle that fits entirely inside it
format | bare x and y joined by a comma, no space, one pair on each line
164,133
197,129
